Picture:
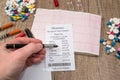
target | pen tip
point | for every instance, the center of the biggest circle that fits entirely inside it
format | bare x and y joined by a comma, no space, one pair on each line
55,45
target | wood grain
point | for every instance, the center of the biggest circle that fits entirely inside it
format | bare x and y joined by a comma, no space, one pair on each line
104,67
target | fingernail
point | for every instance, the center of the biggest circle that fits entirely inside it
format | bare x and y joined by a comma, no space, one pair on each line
40,45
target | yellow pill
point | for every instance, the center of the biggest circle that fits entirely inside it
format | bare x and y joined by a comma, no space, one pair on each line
30,7
18,17
15,17
22,12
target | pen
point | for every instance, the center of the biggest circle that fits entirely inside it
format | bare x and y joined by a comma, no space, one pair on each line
21,35
10,33
28,33
10,24
16,46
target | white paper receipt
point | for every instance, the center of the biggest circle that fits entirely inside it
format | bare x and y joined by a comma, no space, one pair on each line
62,57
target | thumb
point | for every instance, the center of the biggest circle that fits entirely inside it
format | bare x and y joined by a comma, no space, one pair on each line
28,50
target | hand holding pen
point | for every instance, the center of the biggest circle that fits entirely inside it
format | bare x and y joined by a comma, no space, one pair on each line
14,61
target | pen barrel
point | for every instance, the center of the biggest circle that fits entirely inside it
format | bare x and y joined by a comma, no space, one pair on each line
21,35
29,33
10,24
15,46
10,34
50,45
4,36
14,32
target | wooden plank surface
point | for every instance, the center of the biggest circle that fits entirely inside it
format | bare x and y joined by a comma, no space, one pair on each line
104,67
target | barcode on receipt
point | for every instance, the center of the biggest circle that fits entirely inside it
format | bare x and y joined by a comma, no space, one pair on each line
59,64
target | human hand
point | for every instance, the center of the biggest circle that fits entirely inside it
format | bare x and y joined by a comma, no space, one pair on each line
14,61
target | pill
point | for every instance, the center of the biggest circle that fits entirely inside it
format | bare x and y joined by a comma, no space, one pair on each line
108,42
118,49
111,37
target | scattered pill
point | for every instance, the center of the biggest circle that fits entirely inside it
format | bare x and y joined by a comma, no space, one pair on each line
102,40
104,43
113,43
111,37
118,56
118,49
116,31
109,23
116,39
108,42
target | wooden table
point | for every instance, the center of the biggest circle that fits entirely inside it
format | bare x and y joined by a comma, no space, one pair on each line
104,67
